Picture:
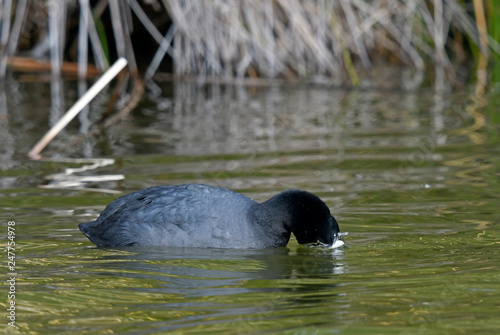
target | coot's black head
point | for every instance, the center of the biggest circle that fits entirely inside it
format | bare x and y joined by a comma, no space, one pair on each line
311,220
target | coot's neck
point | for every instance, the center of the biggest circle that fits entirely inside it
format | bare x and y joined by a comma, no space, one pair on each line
274,219
281,215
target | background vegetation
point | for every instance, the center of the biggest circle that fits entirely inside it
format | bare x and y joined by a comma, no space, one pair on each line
318,40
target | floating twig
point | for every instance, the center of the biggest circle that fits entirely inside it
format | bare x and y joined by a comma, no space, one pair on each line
70,178
78,106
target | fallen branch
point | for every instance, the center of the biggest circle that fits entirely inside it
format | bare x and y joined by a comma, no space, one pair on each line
78,106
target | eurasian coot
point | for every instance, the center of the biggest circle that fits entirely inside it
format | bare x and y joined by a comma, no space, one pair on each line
195,215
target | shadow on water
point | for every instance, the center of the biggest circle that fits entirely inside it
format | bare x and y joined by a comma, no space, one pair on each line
279,263
206,272
175,288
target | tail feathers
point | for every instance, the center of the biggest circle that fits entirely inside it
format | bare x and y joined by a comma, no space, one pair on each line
86,229
104,237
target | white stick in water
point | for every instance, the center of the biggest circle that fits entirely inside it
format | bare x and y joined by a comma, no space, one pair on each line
78,106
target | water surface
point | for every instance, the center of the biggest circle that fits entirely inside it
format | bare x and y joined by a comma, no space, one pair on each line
412,176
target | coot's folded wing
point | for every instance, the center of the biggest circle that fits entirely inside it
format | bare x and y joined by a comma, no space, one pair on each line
164,215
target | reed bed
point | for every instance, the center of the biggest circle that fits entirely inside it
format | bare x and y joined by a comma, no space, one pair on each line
291,39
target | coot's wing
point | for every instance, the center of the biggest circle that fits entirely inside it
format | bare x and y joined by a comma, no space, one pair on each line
165,215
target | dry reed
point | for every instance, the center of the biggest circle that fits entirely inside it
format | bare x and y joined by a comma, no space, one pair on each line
266,39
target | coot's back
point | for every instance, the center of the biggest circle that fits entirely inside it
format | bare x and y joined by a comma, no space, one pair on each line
178,216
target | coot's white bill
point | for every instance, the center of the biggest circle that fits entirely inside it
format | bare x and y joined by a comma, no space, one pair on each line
337,244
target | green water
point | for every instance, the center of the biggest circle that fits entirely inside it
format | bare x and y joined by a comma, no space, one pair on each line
413,177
